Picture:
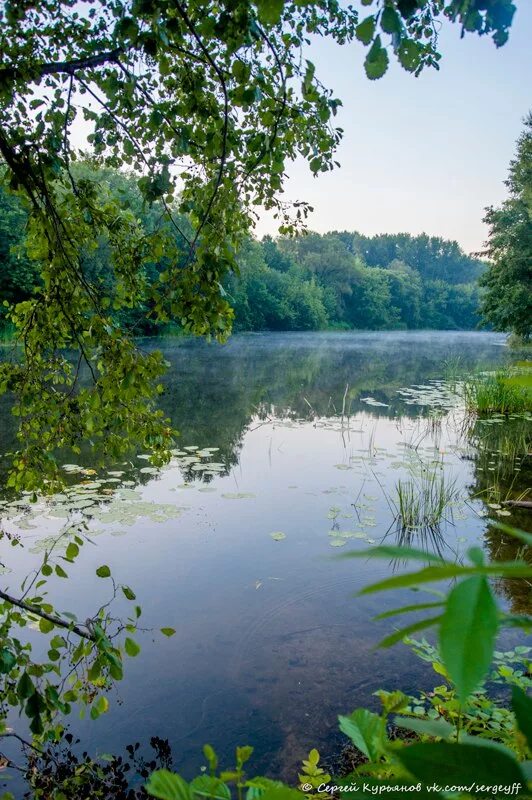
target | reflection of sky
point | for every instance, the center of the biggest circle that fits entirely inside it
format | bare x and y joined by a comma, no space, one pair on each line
422,154
270,645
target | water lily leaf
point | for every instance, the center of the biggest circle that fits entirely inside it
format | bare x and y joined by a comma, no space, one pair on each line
278,536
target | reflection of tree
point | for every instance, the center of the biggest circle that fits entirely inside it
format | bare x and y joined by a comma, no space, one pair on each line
501,453
213,392
502,547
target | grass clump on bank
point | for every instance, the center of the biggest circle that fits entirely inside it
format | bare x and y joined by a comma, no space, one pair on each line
500,392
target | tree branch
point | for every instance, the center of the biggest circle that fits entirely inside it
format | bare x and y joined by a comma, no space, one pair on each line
61,623
59,67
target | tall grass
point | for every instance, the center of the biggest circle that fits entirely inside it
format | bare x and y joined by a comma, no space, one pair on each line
424,502
497,393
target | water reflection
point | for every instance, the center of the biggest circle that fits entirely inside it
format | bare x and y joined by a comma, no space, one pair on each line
270,646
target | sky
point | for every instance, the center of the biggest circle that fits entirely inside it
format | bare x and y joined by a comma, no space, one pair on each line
424,154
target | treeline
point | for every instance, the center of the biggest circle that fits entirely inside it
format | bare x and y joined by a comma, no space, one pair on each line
338,280
346,280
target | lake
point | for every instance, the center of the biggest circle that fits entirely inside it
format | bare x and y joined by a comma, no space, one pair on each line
290,450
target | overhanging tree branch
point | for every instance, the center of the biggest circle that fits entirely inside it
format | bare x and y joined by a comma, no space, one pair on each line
60,623
12,74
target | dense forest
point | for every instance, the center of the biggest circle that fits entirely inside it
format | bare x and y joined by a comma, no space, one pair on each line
340,280
347,280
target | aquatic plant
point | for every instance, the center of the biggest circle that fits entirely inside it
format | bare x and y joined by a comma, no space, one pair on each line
497,393
424,502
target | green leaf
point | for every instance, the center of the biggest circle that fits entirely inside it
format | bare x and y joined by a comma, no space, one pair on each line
522,708
365,31
166,785
390,20
7,661
409,54
399,635
516,621
211,756
210,786
406,609
103,571
391,551
510,569
392,701
168,631
515,532
129,593
376,62
366,731
465,763
45,626
99,707
72,551
131,647
243,754
270,11
467,633
25,687
427,727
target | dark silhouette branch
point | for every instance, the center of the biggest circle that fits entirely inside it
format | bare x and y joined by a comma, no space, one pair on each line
36,71
61,623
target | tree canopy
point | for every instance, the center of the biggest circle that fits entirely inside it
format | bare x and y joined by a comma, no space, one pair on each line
207,102
312,282
507,301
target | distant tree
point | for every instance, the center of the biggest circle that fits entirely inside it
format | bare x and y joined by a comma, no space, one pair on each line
433,257
507,300
406,288
370,305
274,257
269,299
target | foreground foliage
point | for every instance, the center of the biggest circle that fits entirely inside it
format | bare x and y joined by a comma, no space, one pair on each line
462,745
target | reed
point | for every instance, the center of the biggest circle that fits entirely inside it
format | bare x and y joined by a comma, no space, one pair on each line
424,502
496,393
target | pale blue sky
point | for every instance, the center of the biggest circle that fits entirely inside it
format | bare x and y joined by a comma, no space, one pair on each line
421,154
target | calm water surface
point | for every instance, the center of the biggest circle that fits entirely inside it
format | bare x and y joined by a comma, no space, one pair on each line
311,435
